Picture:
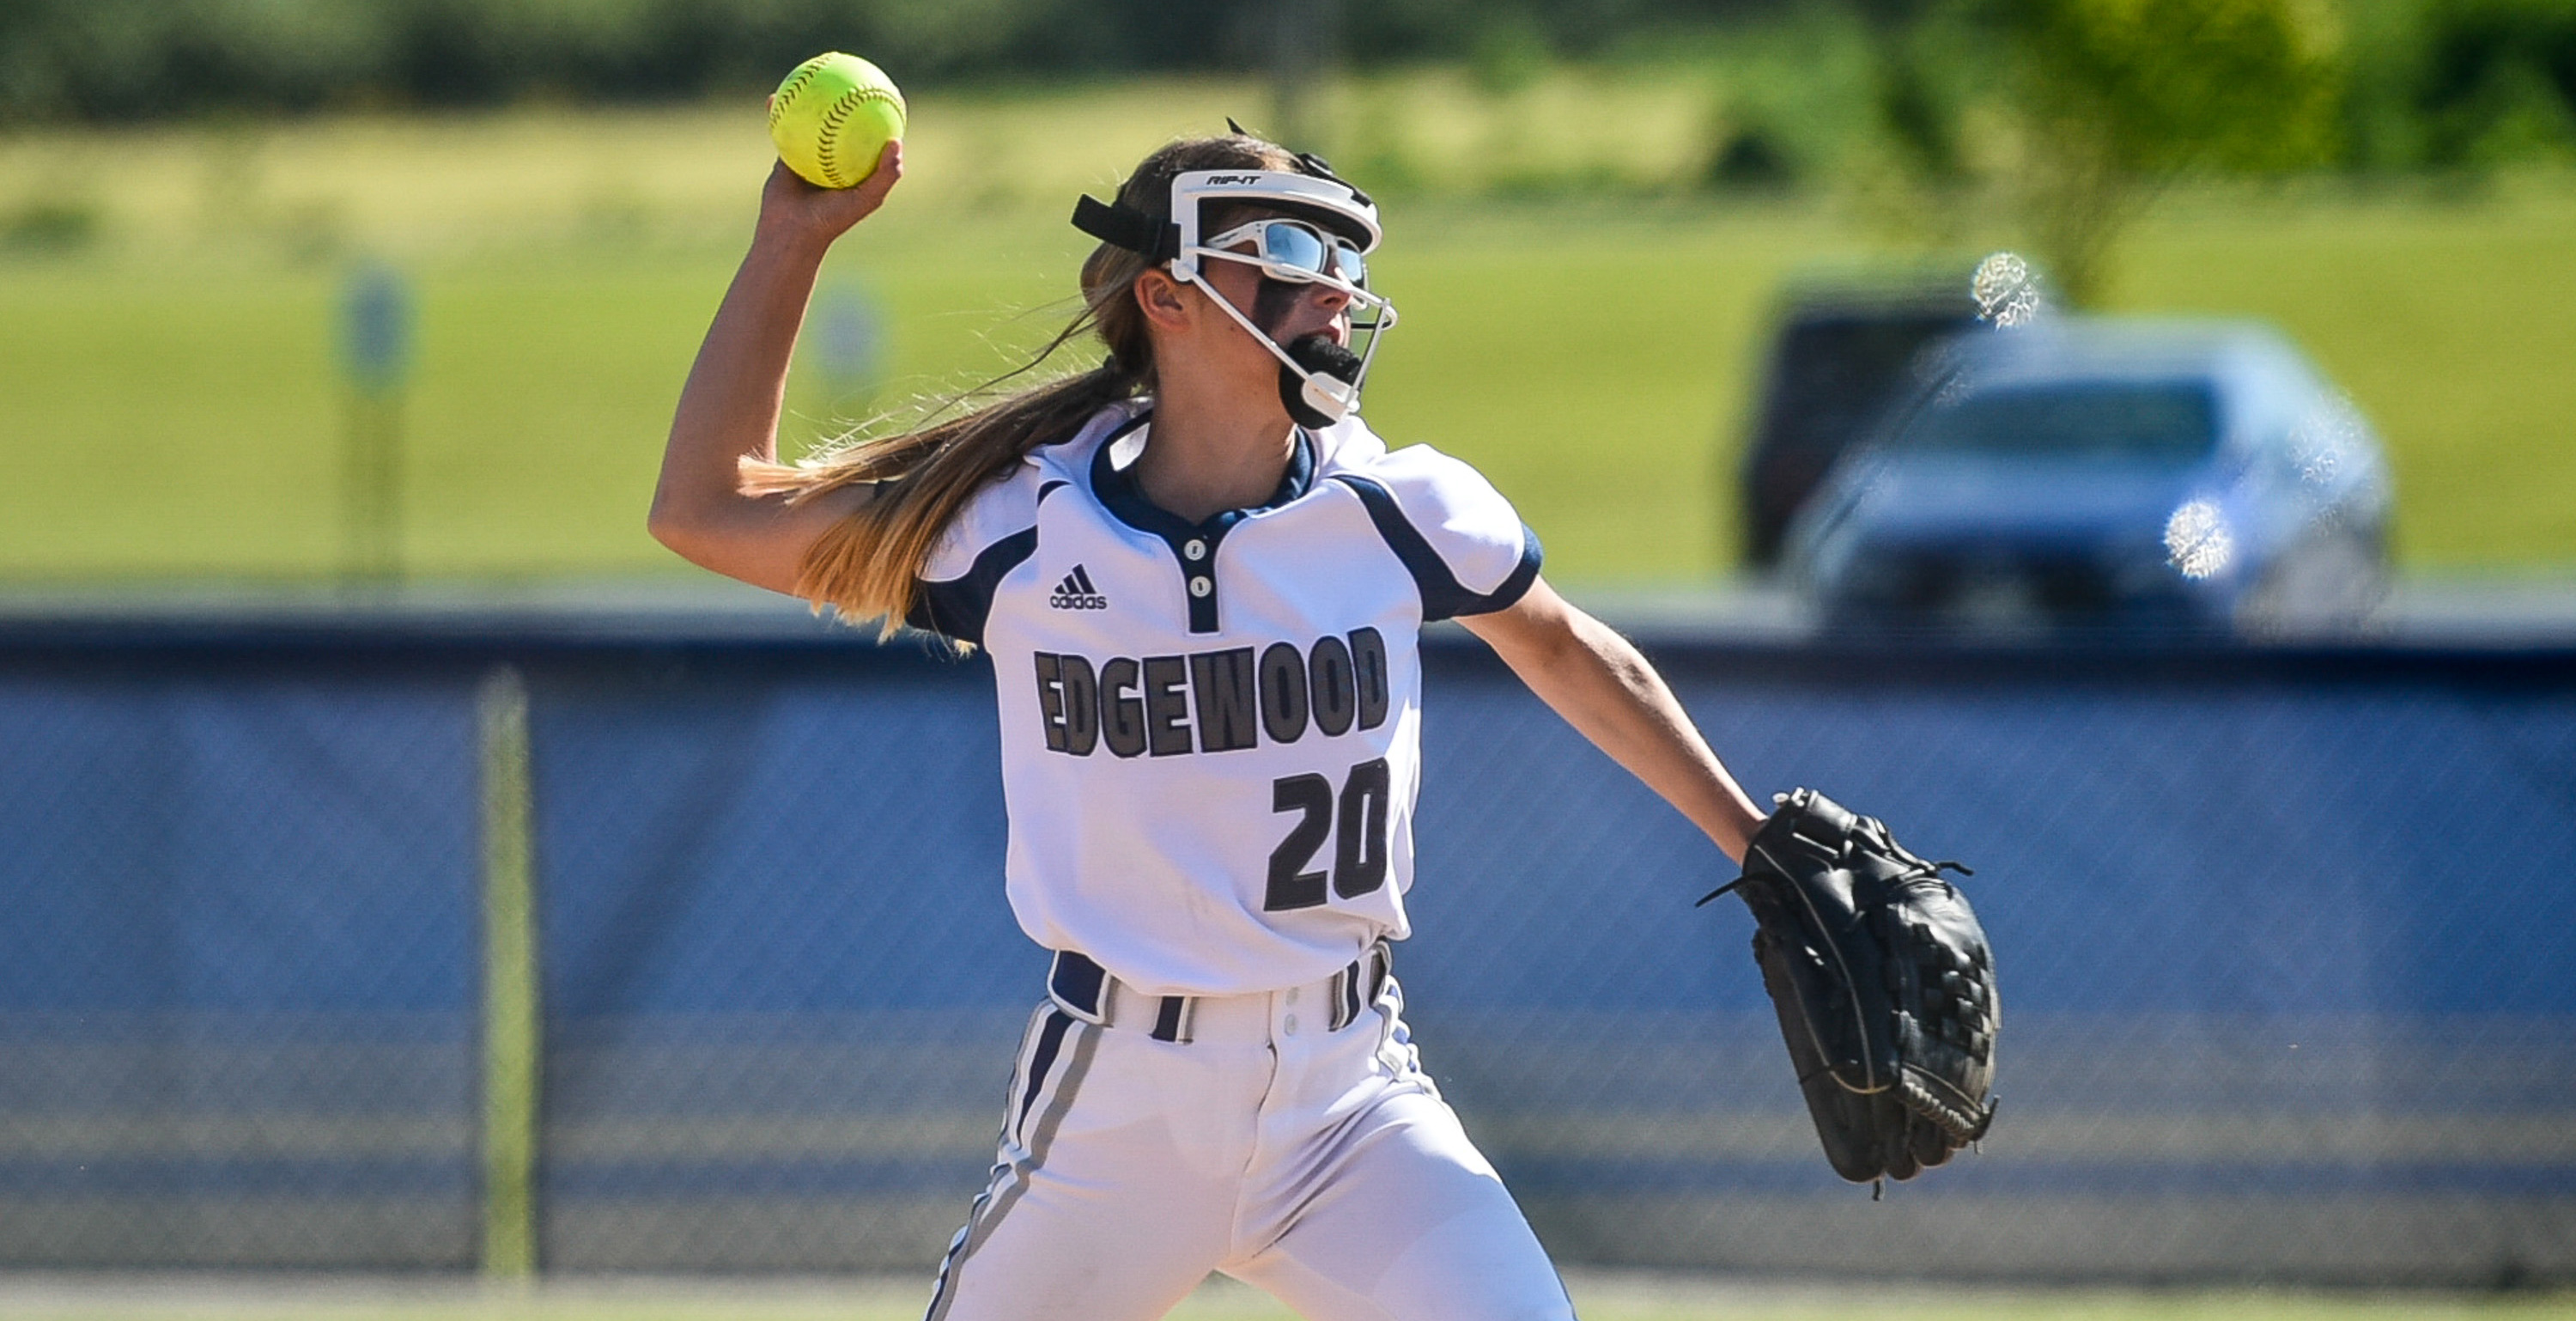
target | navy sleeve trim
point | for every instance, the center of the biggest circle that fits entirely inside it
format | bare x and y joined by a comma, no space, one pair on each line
957,607
1443,596
1523,574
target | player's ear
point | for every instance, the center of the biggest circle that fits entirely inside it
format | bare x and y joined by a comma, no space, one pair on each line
1161,299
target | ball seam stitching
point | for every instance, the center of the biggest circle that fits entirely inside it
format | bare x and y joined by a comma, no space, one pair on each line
827,149
787,95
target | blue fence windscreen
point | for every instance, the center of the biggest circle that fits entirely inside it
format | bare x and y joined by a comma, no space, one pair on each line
2287,990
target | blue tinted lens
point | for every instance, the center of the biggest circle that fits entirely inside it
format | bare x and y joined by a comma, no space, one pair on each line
1348,263
1293,246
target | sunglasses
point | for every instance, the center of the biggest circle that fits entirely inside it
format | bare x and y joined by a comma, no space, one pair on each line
1295,251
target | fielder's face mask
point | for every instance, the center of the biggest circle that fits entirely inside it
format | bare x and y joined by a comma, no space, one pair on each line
1323,237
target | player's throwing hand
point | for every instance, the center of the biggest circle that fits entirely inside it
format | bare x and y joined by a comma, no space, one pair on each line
792,208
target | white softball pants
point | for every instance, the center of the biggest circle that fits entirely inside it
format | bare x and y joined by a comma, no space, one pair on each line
1319,1165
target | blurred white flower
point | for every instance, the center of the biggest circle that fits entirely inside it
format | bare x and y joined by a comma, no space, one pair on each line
2006,290
2197,540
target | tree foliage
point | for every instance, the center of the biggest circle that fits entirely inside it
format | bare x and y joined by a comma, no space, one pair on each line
2157,86
2117,98
2497,80
141,59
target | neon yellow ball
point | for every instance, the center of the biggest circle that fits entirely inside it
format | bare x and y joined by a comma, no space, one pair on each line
832,117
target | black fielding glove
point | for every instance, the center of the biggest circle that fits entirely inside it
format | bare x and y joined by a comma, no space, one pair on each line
1883,982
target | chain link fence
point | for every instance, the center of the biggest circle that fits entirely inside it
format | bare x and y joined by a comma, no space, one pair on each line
236,1014
2288,990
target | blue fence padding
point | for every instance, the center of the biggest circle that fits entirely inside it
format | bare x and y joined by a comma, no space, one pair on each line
757,842
2217,848
2266,848
809,845
289,843
240,968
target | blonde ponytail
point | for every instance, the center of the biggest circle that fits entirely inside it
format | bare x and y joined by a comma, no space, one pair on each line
868,566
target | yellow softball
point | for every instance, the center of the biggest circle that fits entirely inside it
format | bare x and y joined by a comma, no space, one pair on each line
832,117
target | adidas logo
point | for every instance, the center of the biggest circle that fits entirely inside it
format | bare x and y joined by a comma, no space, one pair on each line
1077,593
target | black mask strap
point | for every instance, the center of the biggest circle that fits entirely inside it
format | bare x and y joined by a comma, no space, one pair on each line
1313,166
1122,226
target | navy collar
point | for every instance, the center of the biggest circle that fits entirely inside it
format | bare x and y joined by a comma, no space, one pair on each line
1122,496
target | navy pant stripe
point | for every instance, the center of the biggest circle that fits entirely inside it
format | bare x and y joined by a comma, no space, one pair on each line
1011,1175
1050,1041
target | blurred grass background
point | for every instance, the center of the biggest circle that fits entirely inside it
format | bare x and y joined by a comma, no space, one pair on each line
1581,317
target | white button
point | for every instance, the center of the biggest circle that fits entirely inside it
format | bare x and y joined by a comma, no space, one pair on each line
1291,996
1194,550
1201,587
1288,1026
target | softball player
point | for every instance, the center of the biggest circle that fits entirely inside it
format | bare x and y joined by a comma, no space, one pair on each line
1201,579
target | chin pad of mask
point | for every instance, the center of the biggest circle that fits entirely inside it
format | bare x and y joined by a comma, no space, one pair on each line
1324,396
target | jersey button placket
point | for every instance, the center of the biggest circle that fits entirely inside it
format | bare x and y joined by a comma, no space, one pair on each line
1197,555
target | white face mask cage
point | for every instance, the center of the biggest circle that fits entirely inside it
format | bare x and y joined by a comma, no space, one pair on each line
1328,395
1330,204
1192,190
1296,252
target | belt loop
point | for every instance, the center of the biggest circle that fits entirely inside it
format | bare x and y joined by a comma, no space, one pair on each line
1172,1022
1079,987
1358,986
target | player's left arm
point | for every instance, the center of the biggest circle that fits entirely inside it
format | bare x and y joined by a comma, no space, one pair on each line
1601,685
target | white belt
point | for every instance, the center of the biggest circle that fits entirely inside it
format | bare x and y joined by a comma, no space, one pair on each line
1085,990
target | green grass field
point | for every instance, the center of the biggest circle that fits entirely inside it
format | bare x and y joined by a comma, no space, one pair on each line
1601,1297
169,403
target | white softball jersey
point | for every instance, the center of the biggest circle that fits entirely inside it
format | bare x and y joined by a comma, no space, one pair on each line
1211,733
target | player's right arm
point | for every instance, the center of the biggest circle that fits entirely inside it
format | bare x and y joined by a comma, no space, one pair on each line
1603,687
736,390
